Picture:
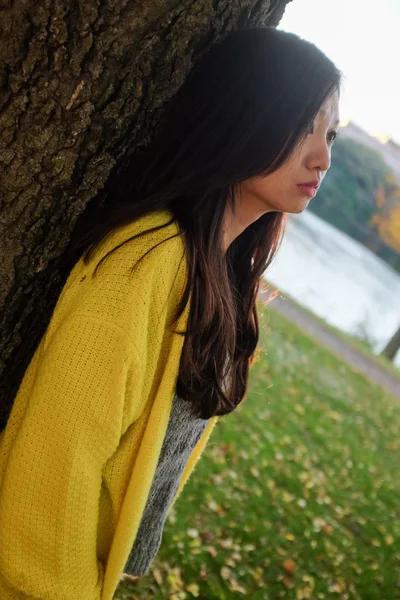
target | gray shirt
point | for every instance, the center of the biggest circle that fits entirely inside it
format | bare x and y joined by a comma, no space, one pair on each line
183,432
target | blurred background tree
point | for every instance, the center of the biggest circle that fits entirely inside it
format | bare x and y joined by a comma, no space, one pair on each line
387,219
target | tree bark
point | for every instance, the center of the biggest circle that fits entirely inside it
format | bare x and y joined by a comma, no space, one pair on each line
392,346
82,85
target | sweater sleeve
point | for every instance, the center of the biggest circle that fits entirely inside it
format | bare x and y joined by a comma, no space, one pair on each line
49,499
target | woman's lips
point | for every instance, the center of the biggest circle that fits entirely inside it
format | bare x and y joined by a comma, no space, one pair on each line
308,190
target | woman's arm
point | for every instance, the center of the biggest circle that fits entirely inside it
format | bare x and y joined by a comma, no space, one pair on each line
49,498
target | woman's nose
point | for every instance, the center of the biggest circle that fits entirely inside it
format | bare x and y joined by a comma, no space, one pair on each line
322,157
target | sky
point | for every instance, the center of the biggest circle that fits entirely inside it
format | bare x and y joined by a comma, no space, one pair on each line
362,38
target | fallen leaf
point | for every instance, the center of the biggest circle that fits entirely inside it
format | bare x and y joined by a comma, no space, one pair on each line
310,580
212,505
303,593
193,589
249,547
257,574
289,566
212,551
226,448
226,543
327,528
175,580
235,587
192,533
157,576
287,497
288,583
337,588
389,540
225,573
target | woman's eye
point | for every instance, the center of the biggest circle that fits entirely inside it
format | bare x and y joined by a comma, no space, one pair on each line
334,134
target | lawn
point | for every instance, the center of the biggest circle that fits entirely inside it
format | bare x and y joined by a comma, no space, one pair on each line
297,495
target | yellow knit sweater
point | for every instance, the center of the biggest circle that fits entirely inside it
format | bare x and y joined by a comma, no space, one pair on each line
80,449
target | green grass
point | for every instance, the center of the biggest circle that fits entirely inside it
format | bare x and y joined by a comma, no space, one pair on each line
297,493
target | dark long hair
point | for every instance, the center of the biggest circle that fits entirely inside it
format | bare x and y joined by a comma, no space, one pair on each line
242,111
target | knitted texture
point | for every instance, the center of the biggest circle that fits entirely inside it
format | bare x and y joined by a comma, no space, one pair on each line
183,433
83,440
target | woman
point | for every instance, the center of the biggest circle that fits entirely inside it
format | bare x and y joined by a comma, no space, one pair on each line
155,329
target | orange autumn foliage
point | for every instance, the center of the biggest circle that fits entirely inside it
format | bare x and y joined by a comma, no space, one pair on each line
387,219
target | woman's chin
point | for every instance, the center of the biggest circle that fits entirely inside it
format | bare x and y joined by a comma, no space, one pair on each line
291,206
298,208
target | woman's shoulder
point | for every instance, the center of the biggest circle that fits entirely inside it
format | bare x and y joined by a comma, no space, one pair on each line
131,277
158,230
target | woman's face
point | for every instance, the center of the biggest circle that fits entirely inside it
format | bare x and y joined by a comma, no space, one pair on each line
280,190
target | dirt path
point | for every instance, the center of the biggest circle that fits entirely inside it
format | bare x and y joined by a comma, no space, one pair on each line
344,349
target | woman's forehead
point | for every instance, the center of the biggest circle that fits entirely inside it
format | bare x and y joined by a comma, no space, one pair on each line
330,110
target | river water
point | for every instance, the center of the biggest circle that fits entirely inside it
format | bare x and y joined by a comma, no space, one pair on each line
338,279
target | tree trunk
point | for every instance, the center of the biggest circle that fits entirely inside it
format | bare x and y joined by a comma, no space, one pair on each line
393,346
83,84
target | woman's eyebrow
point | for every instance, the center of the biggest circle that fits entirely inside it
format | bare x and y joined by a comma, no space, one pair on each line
323,113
